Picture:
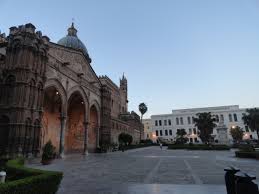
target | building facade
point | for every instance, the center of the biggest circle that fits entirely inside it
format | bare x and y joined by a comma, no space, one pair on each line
165,125
49,91
147,128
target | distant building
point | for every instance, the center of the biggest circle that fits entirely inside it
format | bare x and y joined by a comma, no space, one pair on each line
165,125
147,128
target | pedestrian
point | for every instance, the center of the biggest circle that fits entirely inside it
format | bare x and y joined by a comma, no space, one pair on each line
122,147
161,146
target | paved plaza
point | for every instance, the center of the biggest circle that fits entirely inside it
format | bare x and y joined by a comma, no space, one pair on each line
148,171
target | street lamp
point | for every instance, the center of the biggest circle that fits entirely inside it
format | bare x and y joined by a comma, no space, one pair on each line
246,136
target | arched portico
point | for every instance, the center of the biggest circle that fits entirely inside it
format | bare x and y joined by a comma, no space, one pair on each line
52,110
75,128
54,114
93,127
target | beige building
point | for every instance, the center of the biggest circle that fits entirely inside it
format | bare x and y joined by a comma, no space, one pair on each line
148,134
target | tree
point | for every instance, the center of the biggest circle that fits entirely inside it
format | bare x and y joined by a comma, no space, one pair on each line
205,123
237,133
181,136
125,138
48,153
142,109
251,119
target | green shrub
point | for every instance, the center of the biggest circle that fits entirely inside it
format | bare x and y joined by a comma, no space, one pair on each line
146,141
198,147
244,154
125,138
29,181
48,151
136,146
246,148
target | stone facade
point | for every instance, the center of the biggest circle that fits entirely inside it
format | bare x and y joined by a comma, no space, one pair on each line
147,128
50,91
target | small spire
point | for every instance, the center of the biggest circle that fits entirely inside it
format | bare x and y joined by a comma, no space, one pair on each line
72,30
123,76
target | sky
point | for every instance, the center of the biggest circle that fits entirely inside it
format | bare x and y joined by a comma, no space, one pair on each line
175,53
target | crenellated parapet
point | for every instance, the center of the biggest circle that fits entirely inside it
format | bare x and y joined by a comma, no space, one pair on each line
24,36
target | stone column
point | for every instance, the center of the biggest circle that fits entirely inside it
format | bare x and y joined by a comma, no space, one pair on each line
62,135
97,137
85,138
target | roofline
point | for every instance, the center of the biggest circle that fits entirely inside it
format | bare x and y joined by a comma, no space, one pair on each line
209,107
110,81
81,52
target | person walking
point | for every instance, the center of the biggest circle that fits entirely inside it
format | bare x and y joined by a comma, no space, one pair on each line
161,146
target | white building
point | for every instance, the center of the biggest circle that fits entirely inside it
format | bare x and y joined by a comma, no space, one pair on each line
165,125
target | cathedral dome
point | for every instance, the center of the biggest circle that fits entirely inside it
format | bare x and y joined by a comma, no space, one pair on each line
71,40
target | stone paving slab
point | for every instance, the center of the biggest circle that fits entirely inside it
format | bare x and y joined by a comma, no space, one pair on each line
148,170
146,189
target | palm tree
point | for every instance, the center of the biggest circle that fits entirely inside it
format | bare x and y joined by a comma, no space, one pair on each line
205,123
252,120
237,133
142,109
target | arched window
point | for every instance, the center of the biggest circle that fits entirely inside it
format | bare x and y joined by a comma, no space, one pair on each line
235,117
36,137
9,89
31,93
222,118
217,118
177,121
28,137
192,120
230,118
189,120
39,96
169,121
181,120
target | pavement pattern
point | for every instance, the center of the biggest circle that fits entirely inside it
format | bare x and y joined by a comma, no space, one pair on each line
148,171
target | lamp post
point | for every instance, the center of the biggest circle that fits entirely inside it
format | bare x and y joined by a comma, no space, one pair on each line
154,137
62,137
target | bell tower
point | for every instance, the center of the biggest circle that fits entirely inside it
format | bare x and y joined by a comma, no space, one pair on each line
21,89
124,93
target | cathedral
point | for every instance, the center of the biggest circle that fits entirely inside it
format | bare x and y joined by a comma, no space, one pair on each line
49,91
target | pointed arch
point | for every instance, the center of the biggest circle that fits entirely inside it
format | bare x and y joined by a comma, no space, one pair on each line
60,89
54,106
77,109
4,133
78,89
98,108
94,126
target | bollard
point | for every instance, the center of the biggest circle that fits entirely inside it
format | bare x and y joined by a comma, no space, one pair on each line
230,179
2,176
245,184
